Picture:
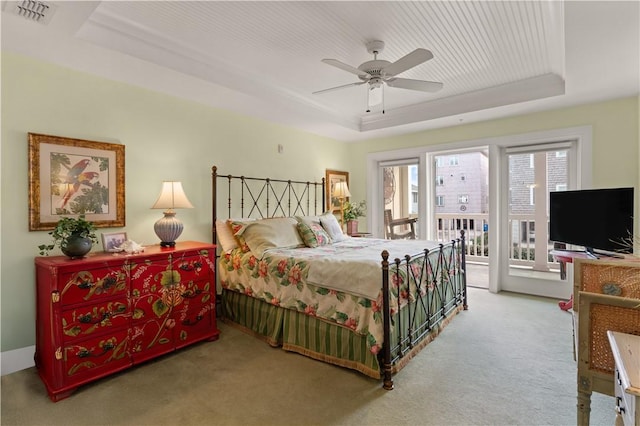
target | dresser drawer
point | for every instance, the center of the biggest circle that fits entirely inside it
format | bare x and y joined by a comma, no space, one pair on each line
625,403
89,285
194,321
89,356
191,268
148,277
95,319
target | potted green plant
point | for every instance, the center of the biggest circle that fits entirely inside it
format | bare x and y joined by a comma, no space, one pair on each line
350,214
74,236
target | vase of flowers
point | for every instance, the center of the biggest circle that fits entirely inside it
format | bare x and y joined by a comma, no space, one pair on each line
350,214
74,237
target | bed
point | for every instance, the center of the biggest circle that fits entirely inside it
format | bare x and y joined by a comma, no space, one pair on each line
289,276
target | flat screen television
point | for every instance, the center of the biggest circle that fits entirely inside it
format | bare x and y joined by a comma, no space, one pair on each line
600,220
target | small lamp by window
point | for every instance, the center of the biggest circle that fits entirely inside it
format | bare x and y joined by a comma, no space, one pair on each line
169,228
341,191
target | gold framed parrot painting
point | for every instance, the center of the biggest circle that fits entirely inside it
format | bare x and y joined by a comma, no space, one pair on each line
70,177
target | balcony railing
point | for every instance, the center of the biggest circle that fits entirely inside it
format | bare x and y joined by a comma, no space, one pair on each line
522,250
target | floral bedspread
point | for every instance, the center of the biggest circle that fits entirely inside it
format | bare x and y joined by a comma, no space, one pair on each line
340,282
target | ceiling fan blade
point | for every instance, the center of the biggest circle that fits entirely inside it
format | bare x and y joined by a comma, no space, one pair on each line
345,67
339,87
422,85
409,60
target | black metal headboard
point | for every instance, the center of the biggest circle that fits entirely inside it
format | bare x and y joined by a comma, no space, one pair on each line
264,197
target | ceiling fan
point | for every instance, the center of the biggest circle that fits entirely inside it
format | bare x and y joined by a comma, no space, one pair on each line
379,72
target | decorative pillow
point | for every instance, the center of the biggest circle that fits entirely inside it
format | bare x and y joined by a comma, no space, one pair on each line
238,226
333,228
225,237
308,219
313,234
270,233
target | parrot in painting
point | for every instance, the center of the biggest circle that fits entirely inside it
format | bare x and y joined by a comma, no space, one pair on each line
74,172
84,178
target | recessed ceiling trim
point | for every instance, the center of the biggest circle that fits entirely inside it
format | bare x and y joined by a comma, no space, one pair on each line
506,94
107,29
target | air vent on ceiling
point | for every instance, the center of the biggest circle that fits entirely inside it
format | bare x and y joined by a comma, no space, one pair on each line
36,11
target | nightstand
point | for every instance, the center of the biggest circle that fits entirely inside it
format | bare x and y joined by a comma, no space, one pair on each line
362,235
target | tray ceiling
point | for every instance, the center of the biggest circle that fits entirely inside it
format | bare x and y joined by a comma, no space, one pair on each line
264,58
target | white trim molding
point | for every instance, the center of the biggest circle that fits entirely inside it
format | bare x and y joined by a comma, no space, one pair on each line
17,359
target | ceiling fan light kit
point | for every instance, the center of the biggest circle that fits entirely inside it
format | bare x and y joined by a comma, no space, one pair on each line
378,72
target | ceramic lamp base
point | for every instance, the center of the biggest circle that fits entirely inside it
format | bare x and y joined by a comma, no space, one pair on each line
168,229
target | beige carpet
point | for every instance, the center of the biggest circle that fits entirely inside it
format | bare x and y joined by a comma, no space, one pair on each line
506,361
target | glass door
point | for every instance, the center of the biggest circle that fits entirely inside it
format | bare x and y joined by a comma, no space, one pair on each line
533,172
400,196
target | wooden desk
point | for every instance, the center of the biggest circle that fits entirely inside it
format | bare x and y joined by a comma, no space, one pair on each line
626,353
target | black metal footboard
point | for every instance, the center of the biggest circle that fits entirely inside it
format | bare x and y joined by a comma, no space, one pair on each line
433,285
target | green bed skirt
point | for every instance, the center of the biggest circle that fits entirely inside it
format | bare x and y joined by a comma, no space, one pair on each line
315,337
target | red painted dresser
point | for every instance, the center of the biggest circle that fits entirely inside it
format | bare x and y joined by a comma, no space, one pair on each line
105,313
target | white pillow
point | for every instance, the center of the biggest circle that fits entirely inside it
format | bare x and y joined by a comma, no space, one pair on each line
281,232
333,228
224,233
225,237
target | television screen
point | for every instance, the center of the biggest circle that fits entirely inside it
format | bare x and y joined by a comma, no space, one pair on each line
597,219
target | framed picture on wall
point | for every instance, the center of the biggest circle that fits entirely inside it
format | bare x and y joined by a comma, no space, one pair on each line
331,179
69,177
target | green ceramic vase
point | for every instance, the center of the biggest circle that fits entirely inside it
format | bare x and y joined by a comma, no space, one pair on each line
77,247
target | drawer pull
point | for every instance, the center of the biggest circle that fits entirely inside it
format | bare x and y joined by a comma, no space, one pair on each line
85,285
192,322
88,318
191,294
85,353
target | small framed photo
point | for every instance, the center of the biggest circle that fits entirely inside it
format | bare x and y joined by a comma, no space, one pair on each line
113,240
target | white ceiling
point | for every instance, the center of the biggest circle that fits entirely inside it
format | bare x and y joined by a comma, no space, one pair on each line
263,58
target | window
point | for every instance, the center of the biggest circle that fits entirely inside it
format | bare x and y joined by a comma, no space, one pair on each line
440,200
414,196
532,195
453,160
439,180
463,199
463,178
561,187
439,162
561,154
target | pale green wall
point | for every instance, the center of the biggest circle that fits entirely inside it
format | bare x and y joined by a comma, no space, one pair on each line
170,138
615,126
166,138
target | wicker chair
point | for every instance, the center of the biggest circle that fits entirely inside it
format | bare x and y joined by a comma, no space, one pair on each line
391,224
598,313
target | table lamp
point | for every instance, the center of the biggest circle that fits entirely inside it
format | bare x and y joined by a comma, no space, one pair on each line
169,228
341,191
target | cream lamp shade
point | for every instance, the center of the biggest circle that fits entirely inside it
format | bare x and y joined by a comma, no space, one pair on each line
169,228
341,191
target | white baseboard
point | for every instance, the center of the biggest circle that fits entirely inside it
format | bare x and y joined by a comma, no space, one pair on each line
17,359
